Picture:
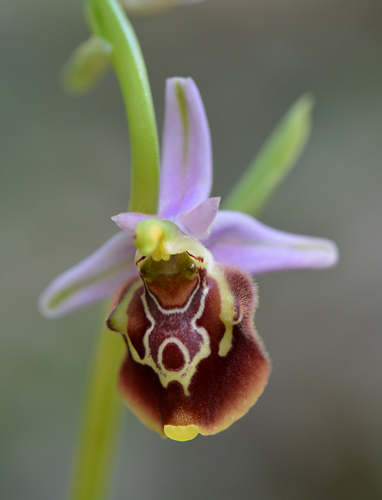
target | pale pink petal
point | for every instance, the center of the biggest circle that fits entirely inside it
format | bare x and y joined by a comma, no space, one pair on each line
241,240
186,174
96,277
128,221
197,222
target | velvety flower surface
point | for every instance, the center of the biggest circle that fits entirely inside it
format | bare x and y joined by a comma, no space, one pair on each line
195,363
185,303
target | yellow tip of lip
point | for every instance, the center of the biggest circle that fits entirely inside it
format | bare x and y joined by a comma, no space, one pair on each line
181,432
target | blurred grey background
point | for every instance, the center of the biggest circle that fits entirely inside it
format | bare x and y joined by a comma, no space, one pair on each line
316,432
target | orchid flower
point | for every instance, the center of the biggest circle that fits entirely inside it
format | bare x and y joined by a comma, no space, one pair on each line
185,302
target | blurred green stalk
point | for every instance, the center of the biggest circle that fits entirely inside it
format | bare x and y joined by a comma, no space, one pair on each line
101,421
108,21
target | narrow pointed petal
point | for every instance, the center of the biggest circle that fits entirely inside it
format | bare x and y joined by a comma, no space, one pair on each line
129,221
240,240
96,277
186,175
197,222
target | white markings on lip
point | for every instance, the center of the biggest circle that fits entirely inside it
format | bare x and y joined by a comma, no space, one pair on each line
174,310
186,372
171,323
183,349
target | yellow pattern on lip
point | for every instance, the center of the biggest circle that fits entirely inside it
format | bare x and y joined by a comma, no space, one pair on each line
227,314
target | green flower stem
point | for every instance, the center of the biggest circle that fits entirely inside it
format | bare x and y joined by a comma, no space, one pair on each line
98,438
101,419
108,21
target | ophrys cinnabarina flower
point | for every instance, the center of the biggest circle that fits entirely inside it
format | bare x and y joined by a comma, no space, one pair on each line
186,306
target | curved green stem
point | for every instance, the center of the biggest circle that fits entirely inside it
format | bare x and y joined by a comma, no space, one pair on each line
101,419
98,438
108,21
